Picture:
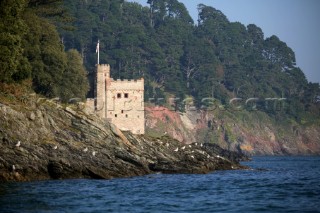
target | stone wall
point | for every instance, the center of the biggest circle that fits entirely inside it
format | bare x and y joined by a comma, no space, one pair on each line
103,72
90,106
125,105
121,102
126,84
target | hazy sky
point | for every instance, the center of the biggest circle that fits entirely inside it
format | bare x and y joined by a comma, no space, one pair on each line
295,22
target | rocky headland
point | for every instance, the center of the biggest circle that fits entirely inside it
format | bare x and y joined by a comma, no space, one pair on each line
250,132
43,139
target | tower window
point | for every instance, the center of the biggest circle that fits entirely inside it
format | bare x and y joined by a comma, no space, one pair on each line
126,95
118,95
115,115
122,111
126,115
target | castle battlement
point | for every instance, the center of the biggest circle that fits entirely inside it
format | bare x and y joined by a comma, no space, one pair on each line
104,65
120,101
141,80
126,84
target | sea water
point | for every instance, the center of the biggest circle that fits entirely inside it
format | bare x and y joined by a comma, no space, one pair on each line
274,184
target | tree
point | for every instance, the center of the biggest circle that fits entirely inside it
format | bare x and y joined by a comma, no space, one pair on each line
45,54
278,53
256,35
217,58
12,30
74,82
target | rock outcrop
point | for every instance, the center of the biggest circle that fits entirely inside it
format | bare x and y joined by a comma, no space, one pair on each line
41,139
253,133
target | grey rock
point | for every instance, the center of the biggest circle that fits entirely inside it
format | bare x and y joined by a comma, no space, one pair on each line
118,154
32,116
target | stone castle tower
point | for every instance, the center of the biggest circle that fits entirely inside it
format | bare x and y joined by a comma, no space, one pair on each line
121,102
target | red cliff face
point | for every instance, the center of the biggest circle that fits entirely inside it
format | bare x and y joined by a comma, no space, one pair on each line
254,136
161,121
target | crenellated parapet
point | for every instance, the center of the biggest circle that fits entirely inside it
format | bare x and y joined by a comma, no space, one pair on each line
127,84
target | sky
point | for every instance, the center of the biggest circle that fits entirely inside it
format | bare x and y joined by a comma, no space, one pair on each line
295,22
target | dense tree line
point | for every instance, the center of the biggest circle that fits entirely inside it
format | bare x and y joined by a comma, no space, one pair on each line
214,58
30,48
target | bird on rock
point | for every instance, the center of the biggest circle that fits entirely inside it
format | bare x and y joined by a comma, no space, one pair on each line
177,149
18,144
85,149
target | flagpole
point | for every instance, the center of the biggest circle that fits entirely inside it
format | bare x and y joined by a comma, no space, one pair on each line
97,51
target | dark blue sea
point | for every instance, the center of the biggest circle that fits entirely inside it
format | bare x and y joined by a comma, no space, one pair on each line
275,184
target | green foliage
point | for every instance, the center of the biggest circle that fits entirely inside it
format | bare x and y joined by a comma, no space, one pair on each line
214,59
12,30
46,55
30,47
74,83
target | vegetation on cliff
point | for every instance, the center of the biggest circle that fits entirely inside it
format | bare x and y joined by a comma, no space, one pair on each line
30,48
224,68
214,58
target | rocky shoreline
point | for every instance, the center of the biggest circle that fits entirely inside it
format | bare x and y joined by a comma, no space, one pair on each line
42,140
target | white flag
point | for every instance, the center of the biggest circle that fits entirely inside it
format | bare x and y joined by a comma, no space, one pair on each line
97,49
